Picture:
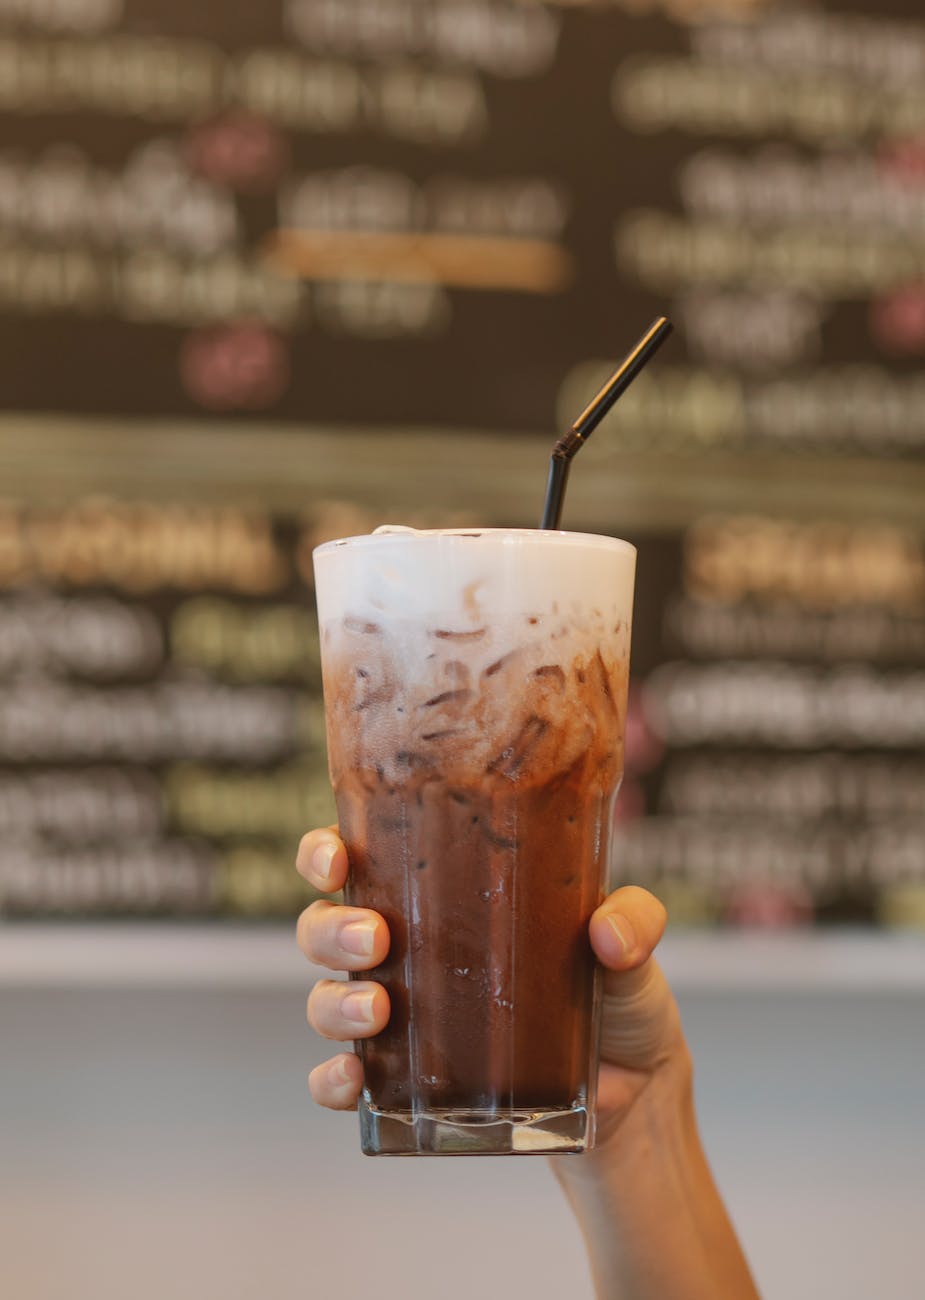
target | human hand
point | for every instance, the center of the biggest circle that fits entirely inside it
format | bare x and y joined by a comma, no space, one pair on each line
641,1031
339,938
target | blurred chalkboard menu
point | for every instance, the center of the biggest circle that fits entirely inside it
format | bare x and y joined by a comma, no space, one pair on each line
776,742
311,223
452,213
161,733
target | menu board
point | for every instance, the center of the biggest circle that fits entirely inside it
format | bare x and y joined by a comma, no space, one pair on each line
776,739
457,213
162,734
315,223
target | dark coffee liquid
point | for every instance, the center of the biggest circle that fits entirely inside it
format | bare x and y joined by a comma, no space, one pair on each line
476,813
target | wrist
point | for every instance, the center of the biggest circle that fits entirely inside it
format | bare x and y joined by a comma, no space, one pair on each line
650,1142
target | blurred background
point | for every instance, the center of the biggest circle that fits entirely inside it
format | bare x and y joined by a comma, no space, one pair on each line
273,274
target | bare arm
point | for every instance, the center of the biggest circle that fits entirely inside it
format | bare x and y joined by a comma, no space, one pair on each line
653,1221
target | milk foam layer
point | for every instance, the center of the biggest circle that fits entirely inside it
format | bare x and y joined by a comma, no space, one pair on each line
468,578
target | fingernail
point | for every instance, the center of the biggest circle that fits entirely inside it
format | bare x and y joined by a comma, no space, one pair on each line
337,1073
624,932
358,1007
322,858
358,938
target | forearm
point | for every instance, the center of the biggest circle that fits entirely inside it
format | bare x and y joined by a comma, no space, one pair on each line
646,1202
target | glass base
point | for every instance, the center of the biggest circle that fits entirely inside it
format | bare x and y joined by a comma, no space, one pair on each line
475,1133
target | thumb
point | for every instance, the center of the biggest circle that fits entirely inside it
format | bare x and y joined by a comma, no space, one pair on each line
640,1023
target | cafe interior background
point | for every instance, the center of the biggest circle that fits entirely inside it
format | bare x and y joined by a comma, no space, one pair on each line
274,274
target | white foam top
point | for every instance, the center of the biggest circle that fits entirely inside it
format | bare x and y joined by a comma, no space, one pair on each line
462,579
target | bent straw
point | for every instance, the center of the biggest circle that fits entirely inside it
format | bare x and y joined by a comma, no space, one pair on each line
578,434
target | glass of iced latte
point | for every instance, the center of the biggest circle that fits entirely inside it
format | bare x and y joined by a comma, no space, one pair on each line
475,690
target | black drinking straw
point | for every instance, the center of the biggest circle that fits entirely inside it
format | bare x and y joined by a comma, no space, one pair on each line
591,416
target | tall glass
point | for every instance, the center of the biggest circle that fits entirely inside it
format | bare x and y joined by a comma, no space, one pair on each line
475,689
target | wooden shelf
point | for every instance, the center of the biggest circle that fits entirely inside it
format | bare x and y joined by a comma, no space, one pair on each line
489,477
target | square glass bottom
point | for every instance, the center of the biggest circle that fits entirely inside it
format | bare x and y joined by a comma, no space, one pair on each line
475,1133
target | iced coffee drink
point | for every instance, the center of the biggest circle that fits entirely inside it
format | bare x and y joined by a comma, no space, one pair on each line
475,690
